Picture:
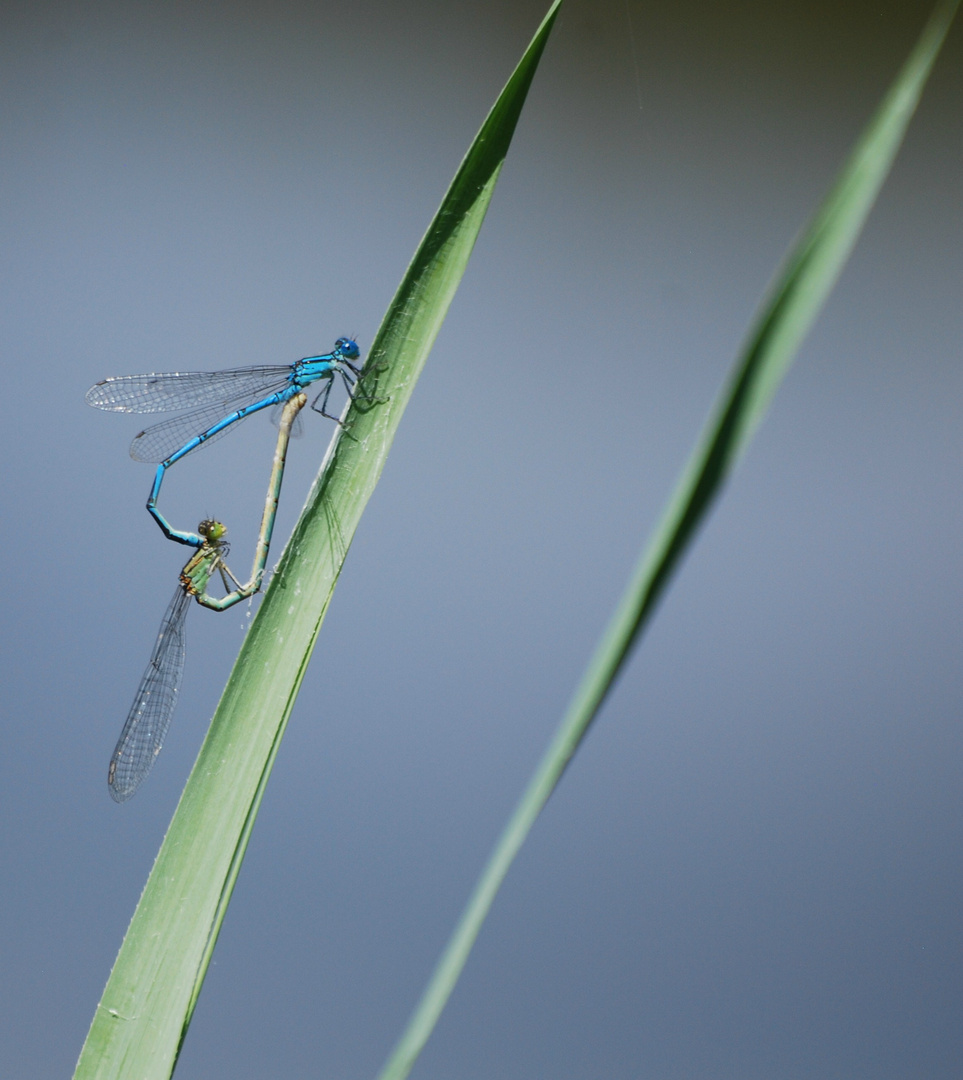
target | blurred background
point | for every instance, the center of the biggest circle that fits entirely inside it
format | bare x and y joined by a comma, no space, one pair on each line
752,869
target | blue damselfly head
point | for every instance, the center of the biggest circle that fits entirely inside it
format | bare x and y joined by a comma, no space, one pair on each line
348,348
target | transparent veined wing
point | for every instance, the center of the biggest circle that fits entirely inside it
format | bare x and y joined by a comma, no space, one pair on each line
186,389
157,443
150,716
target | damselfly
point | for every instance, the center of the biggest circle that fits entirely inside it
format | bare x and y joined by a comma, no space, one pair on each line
146,727
216,400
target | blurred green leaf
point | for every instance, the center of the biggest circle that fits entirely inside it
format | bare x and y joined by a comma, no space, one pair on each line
794,301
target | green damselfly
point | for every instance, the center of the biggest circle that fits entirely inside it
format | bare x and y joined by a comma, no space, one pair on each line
149,718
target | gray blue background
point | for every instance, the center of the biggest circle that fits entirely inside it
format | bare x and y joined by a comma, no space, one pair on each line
752,869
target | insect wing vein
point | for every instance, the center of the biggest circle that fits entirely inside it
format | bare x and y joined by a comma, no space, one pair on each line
143,735
158,442
185,389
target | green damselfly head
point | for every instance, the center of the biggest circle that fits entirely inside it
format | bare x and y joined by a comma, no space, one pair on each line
212,530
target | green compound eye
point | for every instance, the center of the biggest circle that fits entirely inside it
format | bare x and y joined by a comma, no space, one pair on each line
212,530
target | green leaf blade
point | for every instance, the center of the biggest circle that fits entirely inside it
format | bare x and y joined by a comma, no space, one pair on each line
153,988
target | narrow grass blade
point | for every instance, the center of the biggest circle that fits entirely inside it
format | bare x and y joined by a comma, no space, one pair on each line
794,301
150,996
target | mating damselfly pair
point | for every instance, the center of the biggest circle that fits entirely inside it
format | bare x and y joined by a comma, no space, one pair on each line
216,401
